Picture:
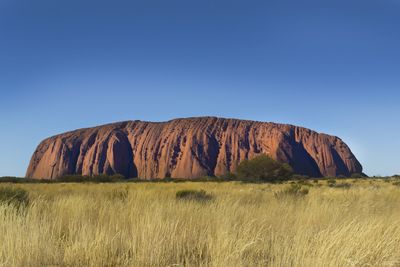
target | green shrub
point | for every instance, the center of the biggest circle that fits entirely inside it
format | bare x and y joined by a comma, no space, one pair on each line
396,183
263,168
20,180
229,176
294,190
10,179
358,175
300,177
90,179
14,196
167,179
207,179
197,195
305,183
331,182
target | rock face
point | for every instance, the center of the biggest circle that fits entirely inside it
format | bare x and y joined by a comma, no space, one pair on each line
188,148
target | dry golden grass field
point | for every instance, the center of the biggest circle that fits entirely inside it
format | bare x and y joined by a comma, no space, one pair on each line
144,224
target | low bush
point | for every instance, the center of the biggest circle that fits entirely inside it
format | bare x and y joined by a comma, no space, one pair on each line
300,177
294,190
208,179
90,179
10,179
396,183
20,180
229,176
305,183
358,175
14,196
331,182
197,195
263,169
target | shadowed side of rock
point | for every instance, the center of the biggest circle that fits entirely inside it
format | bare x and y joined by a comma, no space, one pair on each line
188,148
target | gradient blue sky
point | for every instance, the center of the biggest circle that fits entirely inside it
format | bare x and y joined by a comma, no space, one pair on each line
333,66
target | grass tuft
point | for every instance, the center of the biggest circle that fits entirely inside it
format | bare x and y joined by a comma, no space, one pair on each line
294,190
14,196
196,195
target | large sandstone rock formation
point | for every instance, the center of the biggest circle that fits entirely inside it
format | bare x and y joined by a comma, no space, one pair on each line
188,148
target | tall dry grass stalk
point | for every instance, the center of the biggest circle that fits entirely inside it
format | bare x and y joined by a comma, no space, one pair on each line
245,225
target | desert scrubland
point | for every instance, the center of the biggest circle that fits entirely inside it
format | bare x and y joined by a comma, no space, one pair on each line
353,222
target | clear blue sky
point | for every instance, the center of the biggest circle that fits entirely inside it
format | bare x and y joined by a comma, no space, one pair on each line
333,66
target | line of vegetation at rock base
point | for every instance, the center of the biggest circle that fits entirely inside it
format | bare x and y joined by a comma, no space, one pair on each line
261,169
122,179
